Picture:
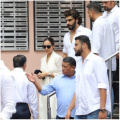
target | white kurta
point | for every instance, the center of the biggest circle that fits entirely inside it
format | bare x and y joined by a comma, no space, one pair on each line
54,66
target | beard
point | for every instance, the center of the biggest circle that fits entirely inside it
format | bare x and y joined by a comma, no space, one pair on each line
107,9
72,26
78,53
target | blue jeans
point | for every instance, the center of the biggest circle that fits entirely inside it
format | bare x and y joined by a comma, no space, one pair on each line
92,115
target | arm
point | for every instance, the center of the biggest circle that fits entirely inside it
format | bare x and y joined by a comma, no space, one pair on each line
103,85
7,97
70,108
36,82
32,99
97,37
57,67
44,90
102,115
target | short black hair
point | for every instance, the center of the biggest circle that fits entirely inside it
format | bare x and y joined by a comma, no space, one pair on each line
84,39
75,14
51,40
19,61
70,60
95,6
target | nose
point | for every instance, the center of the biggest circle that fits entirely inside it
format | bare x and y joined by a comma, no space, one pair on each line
67,22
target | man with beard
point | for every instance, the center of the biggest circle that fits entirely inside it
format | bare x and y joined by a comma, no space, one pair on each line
112,13
102,36
92,97
73,20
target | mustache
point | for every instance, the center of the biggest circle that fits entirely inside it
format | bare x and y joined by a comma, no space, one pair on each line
68,25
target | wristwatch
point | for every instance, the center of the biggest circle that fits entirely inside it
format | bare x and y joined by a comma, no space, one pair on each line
103,110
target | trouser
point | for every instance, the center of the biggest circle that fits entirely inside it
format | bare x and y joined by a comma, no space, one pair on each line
22,111
57,117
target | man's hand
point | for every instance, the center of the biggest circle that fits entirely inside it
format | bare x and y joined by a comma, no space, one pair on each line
42,75
102,115
68,114
117,56
31,77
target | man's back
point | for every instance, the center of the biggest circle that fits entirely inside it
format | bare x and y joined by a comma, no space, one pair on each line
25,90
114,19
102,38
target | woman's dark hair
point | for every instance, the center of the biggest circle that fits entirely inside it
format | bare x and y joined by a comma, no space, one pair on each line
51,40
75,14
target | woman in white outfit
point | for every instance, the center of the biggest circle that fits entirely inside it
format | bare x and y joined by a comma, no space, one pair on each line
51,66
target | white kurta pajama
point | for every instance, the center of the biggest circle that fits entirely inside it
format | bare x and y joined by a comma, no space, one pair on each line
54,66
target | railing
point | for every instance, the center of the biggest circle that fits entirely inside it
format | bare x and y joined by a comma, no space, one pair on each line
110,76
48,105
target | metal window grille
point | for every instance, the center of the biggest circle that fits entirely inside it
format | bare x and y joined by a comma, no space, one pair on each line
50,21
14,26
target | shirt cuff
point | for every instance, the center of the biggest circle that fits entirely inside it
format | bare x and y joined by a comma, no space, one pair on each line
102,85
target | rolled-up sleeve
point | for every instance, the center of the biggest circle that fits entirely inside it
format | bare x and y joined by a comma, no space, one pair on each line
101,73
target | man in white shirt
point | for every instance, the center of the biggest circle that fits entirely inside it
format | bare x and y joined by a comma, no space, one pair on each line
92,97
73,20
7,93
112,13
25,91
102,34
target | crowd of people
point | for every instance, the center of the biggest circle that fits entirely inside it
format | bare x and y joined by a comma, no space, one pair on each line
79,78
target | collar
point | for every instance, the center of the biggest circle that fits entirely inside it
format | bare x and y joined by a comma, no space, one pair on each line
79,29
88,57
18,69
112,10
67,76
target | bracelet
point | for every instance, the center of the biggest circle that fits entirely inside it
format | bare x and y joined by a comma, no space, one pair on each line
103,110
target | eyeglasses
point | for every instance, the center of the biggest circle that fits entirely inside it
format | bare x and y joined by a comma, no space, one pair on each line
48,46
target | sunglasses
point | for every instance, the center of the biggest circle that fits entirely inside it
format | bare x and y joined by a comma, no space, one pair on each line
48,46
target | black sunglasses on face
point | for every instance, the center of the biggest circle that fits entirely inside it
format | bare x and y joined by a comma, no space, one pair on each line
48,46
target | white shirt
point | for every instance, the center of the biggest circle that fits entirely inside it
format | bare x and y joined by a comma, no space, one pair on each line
90,77
103,40
7,92
114,19
68,47
25,90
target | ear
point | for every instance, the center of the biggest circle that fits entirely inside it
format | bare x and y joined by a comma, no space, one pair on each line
83,45
77,20
73,68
